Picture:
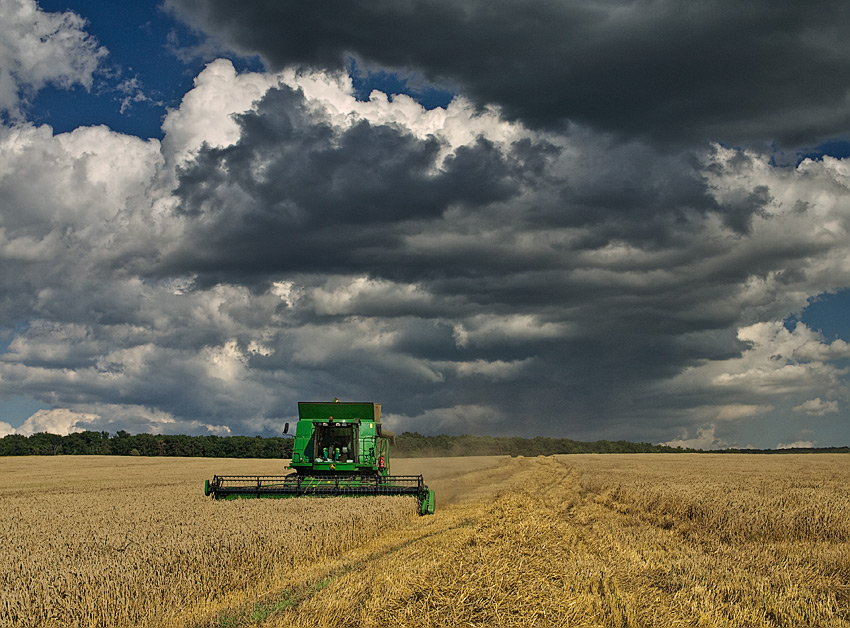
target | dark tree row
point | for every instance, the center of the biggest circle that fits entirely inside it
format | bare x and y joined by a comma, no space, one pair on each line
407,444
124,444
412,444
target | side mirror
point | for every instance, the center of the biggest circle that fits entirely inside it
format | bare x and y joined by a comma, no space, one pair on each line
285,427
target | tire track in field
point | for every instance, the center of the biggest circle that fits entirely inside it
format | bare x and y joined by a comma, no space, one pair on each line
461,501
419,573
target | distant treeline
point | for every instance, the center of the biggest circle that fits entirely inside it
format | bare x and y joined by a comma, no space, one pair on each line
411,444
407,444
124,444
790,450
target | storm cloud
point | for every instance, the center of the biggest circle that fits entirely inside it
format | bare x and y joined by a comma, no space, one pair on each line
657,69
568,248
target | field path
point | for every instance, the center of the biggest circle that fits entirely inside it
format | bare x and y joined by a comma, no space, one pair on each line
465,488
588,542
480,560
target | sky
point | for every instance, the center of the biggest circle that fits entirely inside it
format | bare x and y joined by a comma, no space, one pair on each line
592,220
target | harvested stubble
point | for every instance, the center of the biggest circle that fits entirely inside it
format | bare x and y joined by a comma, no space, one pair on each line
614,541
94,542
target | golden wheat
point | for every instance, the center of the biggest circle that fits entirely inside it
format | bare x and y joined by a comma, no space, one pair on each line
602,541
89,543
615,541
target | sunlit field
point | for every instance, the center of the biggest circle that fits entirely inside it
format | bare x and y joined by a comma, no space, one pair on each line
586,540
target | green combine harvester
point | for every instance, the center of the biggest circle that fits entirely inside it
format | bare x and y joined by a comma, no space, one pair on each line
338,451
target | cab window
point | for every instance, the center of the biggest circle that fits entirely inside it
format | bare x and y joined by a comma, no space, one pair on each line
335,444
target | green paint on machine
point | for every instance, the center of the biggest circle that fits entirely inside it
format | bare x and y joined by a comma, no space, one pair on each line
339,450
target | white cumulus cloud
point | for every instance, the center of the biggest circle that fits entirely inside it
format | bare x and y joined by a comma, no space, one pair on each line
800,444
817,407
60,421
39,48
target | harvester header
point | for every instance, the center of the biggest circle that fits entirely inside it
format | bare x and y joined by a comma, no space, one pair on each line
339,450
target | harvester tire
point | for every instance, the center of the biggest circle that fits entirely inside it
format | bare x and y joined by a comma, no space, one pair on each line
429,503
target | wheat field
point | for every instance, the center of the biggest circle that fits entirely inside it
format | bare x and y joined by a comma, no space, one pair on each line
583,540
104,541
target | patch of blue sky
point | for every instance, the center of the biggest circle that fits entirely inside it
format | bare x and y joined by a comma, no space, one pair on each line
18,409
839,148
392,83
828,313
7,334
153,60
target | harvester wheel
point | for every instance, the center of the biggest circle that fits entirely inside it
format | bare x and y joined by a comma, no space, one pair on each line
429,503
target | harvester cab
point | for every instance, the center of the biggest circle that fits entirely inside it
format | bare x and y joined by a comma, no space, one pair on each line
339,450
340,438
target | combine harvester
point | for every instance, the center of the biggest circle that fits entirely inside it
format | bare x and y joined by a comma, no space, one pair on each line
338,451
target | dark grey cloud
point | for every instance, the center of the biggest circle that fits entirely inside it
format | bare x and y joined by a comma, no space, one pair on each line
295,194
471,274
658,69
328,207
